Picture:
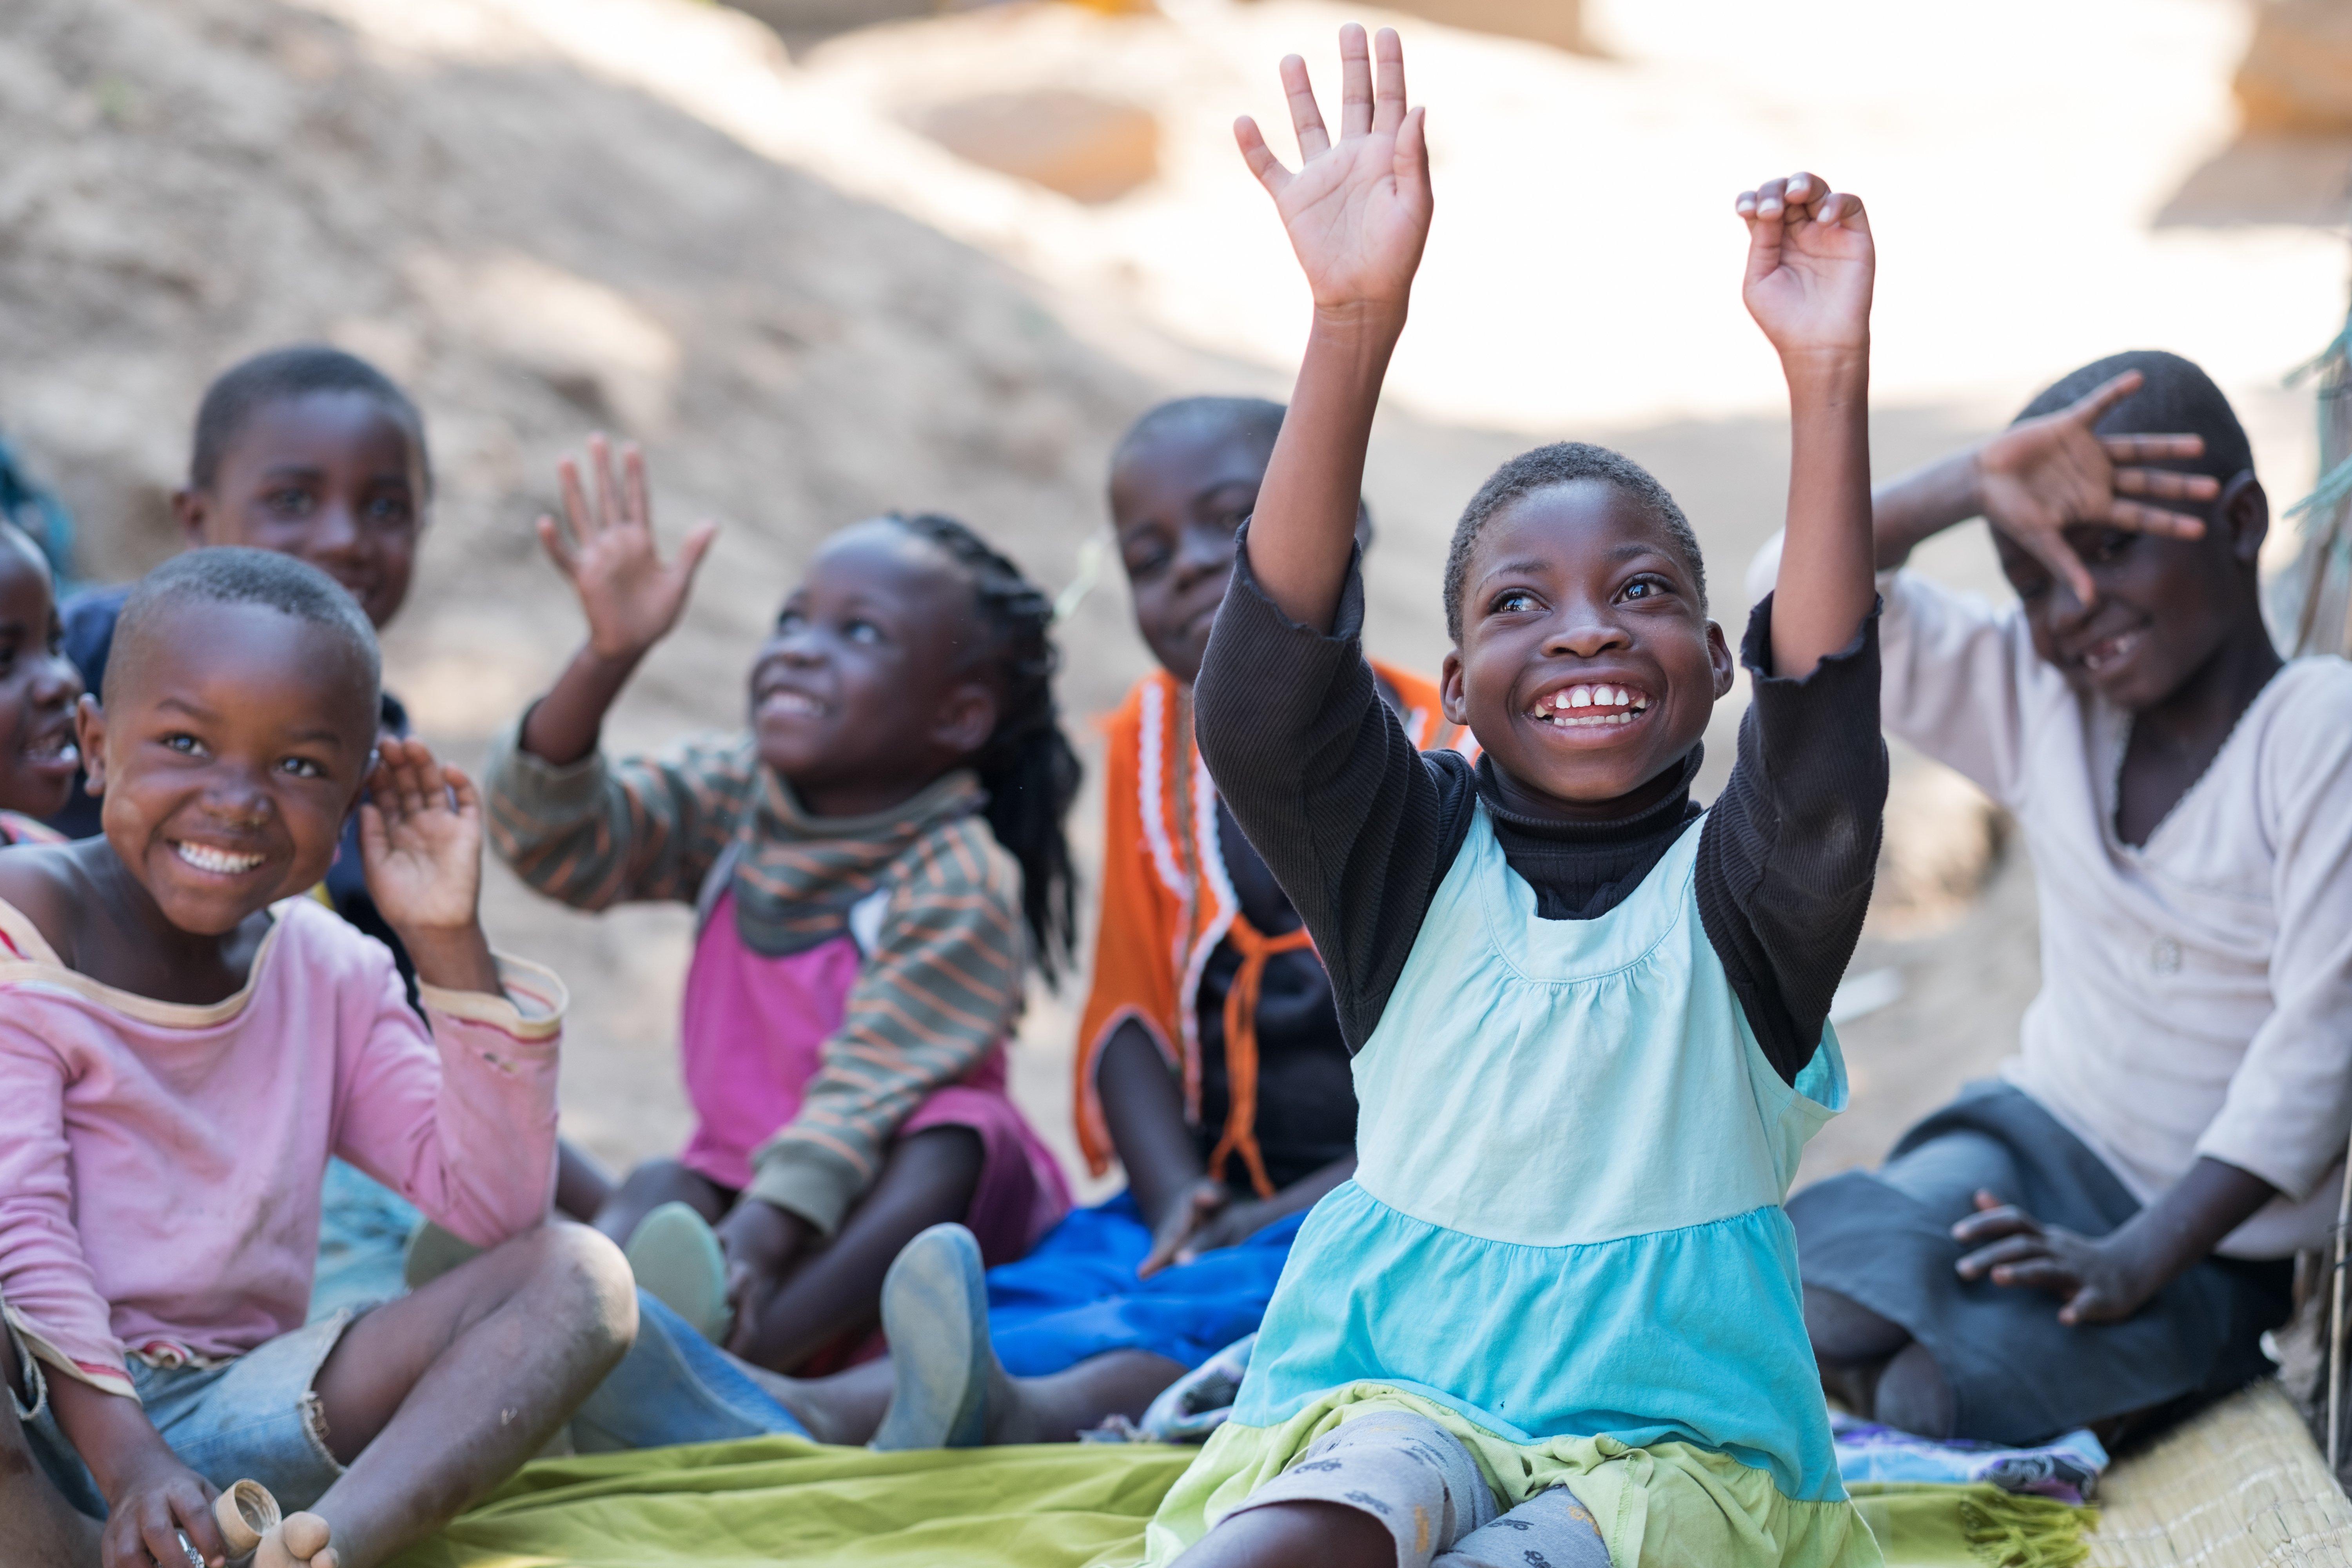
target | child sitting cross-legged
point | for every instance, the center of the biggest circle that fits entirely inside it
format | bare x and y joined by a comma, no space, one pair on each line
2104,1234
38,689
186,1038
1555,1314
873,863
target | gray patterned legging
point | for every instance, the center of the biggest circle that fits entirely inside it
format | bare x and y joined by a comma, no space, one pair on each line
1417,1478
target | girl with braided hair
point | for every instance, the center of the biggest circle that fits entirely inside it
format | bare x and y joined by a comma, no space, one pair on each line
874,864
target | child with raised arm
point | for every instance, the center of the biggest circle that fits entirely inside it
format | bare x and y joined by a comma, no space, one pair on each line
874,860
1555,1315
185,1038
2105,1232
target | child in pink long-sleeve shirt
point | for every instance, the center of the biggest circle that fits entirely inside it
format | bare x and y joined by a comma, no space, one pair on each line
184,1039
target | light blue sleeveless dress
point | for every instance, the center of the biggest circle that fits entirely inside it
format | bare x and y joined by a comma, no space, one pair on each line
1564,1240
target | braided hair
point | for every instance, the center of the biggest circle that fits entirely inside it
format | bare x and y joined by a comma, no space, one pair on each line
1027,765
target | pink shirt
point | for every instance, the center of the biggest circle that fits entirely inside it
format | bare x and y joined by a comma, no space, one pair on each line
159,1162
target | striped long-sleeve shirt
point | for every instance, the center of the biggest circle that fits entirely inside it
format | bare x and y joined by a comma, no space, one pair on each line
942,980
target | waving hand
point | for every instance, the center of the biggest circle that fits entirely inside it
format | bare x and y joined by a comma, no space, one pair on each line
1357,209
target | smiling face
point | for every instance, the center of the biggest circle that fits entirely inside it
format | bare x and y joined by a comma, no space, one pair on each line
2164,606
335,478
39,685
1178,496
871,685
1587,665
232,747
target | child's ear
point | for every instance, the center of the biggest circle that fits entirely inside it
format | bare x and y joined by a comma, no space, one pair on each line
90,738
2243,511
1719,659
1451,697
966,718
191,509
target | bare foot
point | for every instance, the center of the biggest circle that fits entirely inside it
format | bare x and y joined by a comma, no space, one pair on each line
299,1542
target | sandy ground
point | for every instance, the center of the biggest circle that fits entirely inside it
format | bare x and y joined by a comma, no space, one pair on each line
547,216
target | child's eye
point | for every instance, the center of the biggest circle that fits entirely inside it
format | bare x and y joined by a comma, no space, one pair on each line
2110,543
288,503
391,511
1643,588
187,745
862,631
302,768
791,621
1512,601
1142,568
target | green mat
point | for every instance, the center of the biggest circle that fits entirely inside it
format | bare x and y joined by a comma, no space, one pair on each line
1062,1505
780,1499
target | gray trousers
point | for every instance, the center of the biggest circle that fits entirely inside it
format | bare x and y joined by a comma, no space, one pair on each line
1417,1480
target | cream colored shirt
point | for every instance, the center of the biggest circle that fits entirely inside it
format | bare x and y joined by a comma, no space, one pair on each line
2195,990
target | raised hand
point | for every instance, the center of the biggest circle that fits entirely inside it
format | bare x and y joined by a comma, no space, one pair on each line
1809,266
631,596
1357,209
2041,475
421,840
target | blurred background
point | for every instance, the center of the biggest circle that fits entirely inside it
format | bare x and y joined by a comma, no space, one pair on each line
825,258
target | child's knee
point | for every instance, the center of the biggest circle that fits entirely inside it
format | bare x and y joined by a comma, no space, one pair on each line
592,1294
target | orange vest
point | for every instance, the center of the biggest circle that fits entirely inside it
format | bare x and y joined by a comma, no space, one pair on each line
1167,903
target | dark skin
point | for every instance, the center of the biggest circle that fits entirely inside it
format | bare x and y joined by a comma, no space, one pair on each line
335,478
864,694
39,685
2140,581
1178,498
1569,581
236,742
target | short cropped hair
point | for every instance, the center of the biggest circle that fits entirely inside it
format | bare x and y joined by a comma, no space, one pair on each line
2174,394
233,574
1257,418
284,375
1564,462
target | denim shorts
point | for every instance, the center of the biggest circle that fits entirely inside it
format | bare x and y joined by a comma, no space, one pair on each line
253,1418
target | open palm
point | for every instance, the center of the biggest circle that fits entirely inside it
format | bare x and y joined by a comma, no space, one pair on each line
1810,264
2042,475
421,840
1357,209
605,547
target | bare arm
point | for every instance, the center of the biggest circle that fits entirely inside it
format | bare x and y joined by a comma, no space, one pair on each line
1358,213
631,595
1810,267
151,1498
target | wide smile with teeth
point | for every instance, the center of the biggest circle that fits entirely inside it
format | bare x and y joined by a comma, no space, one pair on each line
792,702
1595,707
2108,652
57,750
219,862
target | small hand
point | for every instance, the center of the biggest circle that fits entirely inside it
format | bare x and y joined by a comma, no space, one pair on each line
421,840
1357,210
2041,475
157,1502
2016,1250
760,1241
1175,1237
1810,266
631,595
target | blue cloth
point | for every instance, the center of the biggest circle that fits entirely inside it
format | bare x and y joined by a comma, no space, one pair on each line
674,1387
1076,1294
363,1230
1566,1221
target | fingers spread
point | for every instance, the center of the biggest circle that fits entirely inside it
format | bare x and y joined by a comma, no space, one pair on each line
636,501
558,548
1388,89
1305,115
575,500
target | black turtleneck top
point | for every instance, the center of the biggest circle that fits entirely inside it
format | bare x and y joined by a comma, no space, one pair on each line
1359,829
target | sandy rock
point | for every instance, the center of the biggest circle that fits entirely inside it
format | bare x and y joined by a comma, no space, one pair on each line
2297,74
1088,148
